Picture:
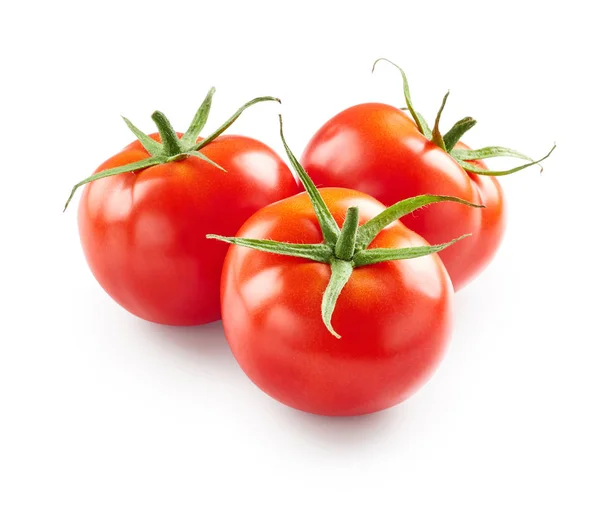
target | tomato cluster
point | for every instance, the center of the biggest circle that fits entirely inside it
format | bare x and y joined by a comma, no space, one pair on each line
333,300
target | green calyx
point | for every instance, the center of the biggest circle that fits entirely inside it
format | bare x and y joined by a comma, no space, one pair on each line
172,148
448,141
346,249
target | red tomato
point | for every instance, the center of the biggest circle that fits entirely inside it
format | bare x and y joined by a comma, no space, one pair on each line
394,317
143,233
377,149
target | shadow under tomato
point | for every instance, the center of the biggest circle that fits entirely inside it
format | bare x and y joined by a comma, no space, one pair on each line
347,432
481,308
207,347
206,341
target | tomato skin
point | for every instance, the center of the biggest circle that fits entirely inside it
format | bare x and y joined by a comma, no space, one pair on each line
394,317
377,149
143,233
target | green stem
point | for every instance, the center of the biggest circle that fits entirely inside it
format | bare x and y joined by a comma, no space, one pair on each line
448,141
168,135
172,148
346,243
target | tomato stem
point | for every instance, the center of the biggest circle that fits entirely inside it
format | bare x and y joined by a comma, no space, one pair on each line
172,148
169,138
346,243
448,141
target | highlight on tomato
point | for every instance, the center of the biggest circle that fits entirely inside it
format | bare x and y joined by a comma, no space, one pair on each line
382,151
144,214
331,305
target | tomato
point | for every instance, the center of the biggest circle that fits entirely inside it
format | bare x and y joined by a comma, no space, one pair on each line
143,233
377,149
394,318
380,150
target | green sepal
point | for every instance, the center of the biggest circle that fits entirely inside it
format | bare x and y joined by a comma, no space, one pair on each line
329,226
134,166
341,271
202,156
488,152
486,172
191,134
369,230
153,147
230,121
437,136
425,130
314,252
448,141
172,148
419,120
376,255
457,131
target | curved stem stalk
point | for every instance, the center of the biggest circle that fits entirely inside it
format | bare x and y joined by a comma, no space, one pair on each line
169,138
346,243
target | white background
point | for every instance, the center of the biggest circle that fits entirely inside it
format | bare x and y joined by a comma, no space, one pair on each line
102,409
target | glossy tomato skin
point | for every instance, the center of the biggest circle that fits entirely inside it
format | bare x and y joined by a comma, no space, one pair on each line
394,317
143,233
377,149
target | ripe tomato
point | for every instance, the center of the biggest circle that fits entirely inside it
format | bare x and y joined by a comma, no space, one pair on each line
143,233
377,149
394,318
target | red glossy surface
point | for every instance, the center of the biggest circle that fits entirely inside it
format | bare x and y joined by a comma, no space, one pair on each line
394,317
377,149
143,233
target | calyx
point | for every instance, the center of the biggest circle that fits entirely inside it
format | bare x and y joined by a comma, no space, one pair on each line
172,147
346,249
448,141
